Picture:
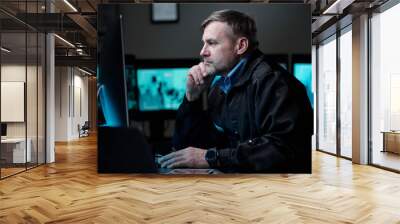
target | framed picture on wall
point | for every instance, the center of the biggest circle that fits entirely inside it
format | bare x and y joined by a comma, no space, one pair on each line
164,13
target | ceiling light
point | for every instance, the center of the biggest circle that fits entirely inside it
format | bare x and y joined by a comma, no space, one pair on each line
337,7
329,9
5,50
70,5
84,71
64,40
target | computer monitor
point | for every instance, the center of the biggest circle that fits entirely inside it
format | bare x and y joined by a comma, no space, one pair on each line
161,89
111,79
131,82
302,70
3,129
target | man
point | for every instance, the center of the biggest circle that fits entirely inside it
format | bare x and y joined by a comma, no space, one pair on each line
258,117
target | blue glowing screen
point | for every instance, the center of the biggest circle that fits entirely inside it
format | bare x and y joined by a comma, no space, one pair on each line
303,72
161,88
131,87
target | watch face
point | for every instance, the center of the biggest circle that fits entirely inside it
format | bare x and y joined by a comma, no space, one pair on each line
211,155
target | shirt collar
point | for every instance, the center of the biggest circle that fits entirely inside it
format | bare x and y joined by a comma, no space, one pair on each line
226,82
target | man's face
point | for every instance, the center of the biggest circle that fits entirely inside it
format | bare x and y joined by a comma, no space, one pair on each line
218,52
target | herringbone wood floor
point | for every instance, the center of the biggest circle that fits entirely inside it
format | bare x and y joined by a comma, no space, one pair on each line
71,191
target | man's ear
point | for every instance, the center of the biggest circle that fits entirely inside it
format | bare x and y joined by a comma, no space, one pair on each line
242,44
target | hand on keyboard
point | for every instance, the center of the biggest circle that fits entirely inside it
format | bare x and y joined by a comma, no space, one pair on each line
157,158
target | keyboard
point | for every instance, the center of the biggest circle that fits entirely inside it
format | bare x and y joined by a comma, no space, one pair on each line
161,170
157,158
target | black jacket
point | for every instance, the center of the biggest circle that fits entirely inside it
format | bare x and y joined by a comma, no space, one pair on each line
266,116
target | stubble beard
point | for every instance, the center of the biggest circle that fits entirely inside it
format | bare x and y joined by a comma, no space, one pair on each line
227,68
210,68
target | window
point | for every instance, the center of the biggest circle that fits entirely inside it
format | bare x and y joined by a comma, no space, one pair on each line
327,96
346,93
385,88
22,74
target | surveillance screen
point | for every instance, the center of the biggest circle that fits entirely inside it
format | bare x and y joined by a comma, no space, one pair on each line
303,72
131,87
161,88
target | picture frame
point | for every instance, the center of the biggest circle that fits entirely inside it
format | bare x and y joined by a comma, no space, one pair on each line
164,13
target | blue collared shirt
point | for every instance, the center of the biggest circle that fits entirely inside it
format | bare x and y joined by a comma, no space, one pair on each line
226,83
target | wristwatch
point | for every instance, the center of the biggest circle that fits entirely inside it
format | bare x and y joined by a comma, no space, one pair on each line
212,157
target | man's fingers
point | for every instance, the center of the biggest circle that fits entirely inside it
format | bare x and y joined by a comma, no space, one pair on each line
171,158
168,162
178,164
167,157
191,80
198,76
199,73
200,79
196,81
188,157
173,162
203,69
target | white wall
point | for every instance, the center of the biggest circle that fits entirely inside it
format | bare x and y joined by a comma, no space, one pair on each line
12,73
81,104
71,102
33,126
61,103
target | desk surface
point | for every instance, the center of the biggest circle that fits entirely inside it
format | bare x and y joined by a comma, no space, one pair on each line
391,132
192,171
13,140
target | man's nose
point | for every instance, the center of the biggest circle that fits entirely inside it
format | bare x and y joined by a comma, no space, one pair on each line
204,52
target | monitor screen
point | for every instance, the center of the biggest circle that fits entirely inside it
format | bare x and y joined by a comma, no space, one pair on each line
161,88
131,87
111,79
303,72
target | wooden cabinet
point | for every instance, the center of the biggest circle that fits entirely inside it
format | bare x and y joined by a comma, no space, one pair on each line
391,141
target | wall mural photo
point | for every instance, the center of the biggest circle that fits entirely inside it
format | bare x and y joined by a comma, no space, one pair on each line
219,90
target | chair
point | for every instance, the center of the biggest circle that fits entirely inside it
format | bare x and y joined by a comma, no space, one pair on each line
84,130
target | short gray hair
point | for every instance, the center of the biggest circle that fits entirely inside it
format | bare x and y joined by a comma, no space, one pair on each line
241,24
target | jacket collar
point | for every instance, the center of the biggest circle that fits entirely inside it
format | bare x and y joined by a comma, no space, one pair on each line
255,57
226,83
